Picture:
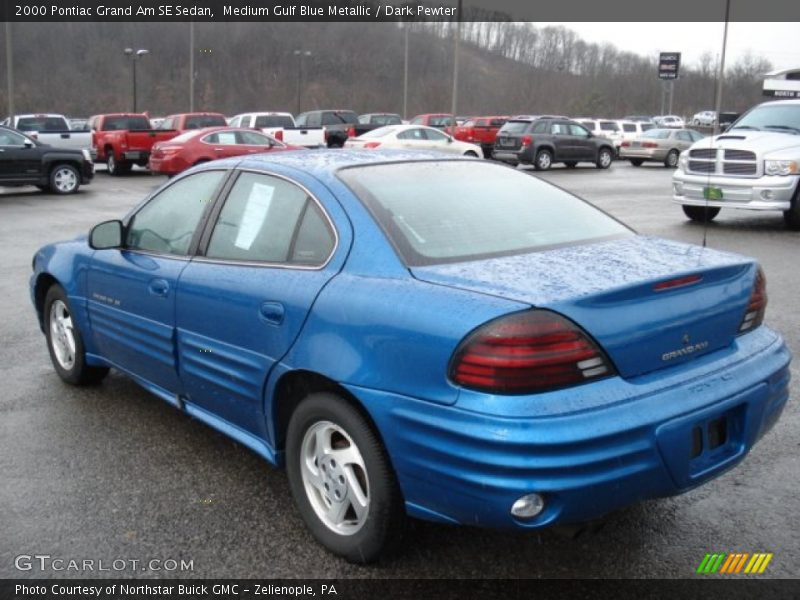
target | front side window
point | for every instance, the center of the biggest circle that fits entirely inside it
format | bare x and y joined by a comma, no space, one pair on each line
267,219
412,134
11,138
437,212
167,223
253,138
435,136
578,131
683,136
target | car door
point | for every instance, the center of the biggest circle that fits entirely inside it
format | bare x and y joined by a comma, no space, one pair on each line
563,142
20,158
683,139
252,142
131,291
414,139
584,144
436,140
223,144
266,254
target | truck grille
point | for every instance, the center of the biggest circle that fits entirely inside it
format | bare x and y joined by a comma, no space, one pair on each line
737,163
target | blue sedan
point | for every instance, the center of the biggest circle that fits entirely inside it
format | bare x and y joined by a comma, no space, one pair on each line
415,335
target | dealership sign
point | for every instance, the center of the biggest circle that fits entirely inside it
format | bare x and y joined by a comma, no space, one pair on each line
668,65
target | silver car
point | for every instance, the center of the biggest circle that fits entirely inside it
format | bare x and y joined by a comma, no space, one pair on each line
659,145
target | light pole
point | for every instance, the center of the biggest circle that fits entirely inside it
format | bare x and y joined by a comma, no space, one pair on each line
405,73
135,55
9,74
191,66
721,72
300,54
455,67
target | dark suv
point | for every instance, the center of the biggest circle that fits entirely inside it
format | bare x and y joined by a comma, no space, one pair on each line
543,141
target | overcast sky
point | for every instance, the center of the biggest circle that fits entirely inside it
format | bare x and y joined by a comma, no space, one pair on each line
777,42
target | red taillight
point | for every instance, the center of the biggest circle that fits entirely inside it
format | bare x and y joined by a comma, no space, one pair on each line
278,135
649,145
756,305
372,144
625,144
351,132
527,140
527,352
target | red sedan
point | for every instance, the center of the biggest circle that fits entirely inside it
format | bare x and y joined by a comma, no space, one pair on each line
193,147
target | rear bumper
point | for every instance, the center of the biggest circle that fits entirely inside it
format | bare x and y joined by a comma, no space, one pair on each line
523,155
762,193
169,166
463,466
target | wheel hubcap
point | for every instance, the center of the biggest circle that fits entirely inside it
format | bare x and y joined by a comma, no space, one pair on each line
335,478
62,335
544,160
605,159
65,180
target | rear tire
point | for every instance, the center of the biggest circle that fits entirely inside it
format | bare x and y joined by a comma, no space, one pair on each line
341,479
636,162
701,213
671,161
543,160
64,341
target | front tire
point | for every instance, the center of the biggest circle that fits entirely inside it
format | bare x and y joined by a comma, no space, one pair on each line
64,179
701,214
543,160
65,343
342,480
604,158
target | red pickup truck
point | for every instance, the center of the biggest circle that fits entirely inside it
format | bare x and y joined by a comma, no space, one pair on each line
124,139
481,131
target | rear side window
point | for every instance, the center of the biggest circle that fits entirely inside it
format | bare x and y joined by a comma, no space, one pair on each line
437,212
609,126
629,127
267,219
166,224
647,126
541,127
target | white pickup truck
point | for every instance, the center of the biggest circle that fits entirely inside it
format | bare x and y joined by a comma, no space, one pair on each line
754,165
51,129
281,126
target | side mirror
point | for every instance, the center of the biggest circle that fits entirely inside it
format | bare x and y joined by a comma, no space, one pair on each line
27,144
105,235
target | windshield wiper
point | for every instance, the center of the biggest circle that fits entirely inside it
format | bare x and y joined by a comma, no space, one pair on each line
783,127
746,127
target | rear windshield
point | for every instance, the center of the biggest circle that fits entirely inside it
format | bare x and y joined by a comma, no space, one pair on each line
200,121
42,124
125,123
441,121
337,118
274,121
385,120
438,212
657,134
515,127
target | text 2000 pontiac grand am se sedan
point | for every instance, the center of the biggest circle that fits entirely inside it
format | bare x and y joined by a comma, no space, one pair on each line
416,335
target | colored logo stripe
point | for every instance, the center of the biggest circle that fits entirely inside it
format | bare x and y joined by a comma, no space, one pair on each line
734,562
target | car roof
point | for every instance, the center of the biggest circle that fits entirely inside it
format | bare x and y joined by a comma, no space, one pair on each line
325,162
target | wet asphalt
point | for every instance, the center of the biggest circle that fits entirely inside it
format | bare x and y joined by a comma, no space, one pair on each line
113,473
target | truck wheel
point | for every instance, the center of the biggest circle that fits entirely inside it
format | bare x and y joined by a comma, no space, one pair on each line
111,164
791,217
64,179
672,159
342,479
543,160
701,213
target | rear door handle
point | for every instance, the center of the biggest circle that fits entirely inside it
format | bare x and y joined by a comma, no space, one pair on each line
272,312
158,287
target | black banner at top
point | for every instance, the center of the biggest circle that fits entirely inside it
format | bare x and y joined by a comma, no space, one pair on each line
397,10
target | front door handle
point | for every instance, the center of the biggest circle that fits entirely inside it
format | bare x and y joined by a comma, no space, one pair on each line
158,287
272,312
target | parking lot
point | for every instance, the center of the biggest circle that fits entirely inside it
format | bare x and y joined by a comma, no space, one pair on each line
111,472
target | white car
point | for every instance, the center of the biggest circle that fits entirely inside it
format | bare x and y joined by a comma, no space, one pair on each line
416,137
705,118
670,121
633,129
607,128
